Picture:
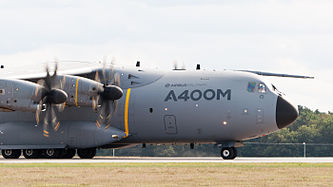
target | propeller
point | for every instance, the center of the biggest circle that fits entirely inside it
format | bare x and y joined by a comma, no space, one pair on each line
52,99
175,66
109,94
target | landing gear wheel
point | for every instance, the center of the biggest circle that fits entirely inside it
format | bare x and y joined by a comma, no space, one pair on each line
51,153
68,153
11,153
228,153
31,153
86,153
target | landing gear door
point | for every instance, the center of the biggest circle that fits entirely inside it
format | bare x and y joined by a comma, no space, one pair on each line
170,125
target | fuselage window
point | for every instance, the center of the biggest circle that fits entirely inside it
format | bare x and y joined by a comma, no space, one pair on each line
262,88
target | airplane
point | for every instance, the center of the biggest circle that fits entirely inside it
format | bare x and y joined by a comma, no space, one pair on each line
60,114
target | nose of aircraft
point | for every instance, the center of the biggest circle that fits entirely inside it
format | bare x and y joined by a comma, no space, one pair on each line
286,113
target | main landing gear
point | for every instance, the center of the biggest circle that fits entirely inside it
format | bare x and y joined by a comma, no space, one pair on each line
49,153
11,153
228,153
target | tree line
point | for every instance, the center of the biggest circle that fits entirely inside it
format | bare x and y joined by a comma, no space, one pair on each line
312,127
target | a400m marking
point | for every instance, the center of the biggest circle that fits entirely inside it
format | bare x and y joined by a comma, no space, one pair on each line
196,95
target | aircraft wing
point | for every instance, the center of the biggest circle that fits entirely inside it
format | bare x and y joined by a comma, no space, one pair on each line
32,71
277,74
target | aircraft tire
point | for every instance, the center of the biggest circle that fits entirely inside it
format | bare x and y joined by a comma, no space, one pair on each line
86,153
31,153
228,153
11,153
51,153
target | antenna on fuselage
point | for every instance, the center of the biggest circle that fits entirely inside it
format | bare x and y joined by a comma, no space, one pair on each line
198,67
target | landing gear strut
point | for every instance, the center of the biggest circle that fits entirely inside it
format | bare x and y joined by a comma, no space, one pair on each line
228,153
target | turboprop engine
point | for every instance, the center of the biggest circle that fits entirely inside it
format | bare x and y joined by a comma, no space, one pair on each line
81,91
24,96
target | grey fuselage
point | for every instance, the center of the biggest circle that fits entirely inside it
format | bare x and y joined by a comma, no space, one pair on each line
160,107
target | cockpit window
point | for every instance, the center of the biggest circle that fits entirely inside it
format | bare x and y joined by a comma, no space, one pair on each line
262,88
251,86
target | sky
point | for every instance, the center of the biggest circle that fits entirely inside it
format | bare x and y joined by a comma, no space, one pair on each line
280,36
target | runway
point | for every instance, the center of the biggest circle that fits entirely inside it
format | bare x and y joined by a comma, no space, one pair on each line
174,160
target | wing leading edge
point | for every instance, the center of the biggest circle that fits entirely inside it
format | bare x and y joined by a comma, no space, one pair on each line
277,74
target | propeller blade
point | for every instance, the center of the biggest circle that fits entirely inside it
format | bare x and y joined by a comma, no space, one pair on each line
48,79
108,113
53,116
41,82
39,109
56,68
61,107
95,102
36,91
54,82
39,93
104,73
113,61
111,74
46,122
115,106
55,123
175,65
97,78
47,71
46,131
101,116
116,79
63,82
104,115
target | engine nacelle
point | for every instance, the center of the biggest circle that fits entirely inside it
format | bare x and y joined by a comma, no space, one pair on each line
24,96
19,95
80,90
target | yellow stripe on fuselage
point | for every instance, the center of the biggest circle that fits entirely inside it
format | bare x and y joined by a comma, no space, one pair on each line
126,111
76,88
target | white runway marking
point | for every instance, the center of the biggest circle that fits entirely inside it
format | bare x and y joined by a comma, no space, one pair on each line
173,160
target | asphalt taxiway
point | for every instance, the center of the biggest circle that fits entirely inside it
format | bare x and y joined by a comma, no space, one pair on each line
174,160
